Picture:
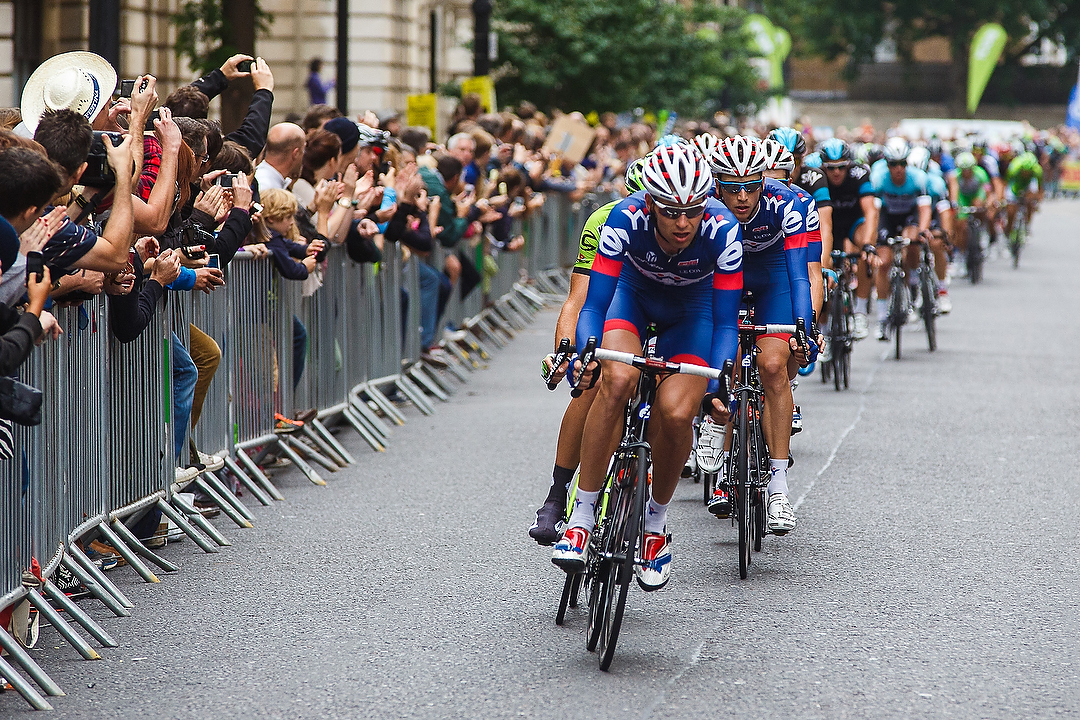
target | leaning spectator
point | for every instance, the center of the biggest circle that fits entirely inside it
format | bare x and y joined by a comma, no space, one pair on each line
284,157
28,181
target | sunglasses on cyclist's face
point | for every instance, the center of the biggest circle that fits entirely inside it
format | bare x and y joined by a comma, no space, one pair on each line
837,166
734,188
673,213
897,163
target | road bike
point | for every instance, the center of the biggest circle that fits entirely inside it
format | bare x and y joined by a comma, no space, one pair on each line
747,470
1018,237
974,253
616,545
927,288
841,318
899,296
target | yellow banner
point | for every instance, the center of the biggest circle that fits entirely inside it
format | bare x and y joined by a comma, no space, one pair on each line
420,111
1070,176
482,86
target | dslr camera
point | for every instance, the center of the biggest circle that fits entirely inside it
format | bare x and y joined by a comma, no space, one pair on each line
98,174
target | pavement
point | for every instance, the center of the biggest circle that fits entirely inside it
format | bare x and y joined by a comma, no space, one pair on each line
933,572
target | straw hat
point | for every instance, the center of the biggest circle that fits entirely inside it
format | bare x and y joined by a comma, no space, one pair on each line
79,81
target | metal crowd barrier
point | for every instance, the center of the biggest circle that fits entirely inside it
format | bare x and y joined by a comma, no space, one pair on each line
102,461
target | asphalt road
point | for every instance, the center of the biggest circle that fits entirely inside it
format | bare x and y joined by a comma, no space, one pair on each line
933,572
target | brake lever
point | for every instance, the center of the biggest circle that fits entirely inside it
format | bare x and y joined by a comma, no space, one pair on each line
587,357
801,339
561,356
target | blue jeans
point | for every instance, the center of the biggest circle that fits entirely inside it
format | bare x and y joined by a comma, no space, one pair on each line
299,350
185,375
430,280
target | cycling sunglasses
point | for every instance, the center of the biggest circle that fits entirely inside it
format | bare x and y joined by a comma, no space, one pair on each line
734,188
673,213
836,165
898,163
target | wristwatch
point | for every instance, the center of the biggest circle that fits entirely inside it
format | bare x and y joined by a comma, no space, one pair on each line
343,202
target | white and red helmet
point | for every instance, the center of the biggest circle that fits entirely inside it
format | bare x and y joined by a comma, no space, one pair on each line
740,156
677,175
777,157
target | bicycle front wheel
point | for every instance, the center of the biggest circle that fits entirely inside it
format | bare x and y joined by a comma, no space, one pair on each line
626,531
742,482
929,314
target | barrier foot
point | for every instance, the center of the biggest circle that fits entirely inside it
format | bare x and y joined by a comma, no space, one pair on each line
79,615
414,394
498,322
416,373
530,295
455,368
317,429
480,323
22,687
136,544
247,482
186,527
256,474
383,403
125,552
473,343
467,360
311,453
94,589
521,307
371,420
299,462
356,421
19,655
508,313
49,613
227,495
547,286
222,502
433,375
196,517
99,575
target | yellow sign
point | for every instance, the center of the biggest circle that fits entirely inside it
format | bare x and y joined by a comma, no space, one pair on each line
420,111
483,87
1070,176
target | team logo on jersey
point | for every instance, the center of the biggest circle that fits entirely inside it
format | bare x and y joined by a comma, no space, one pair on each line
793,220
689,263
613,240
857,171
711,225
812,221
636,215
772,202
731,259
650,257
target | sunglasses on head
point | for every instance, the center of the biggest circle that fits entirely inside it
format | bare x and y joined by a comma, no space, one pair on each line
673,213
734,188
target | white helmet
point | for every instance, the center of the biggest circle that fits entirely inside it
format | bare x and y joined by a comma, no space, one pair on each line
707,143
897,150
777,157
919,157
739,156
677,175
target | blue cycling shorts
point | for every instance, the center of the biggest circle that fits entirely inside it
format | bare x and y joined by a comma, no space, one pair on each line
683,318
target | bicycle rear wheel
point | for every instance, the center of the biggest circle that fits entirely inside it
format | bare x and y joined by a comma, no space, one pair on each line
897,309
742,482
627,528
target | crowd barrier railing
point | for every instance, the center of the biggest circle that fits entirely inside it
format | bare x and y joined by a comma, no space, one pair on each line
103,460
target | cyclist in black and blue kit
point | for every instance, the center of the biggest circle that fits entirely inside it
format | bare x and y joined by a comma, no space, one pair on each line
775,270
905,210
854,216
672,256
812,180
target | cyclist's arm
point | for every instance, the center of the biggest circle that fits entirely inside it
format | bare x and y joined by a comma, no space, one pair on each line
602,281
727,293
575,299
795,258
925,207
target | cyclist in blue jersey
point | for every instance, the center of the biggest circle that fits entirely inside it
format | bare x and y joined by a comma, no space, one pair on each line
905,210
941,222
670,256
775,270
809,176
945,161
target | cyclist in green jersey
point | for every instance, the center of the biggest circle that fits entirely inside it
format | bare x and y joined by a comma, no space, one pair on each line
1023,186
973,191
547,528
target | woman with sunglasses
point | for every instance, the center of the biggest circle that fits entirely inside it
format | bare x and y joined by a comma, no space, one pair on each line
671,256
775,236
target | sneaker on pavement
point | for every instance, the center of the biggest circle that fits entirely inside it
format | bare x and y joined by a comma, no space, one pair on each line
656,571
549,522
781,516
570,551
710,446
720,505
862,326
796,420
944,304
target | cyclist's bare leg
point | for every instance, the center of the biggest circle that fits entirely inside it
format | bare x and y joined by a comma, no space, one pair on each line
881,277
618,383
777,367
941,260
568,450
671,431
1010,218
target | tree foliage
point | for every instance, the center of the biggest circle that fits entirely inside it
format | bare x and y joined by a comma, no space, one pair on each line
204,34
619,54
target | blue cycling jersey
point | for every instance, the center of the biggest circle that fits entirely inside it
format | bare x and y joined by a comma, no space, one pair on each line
813,224
657,287
904,198
775,238
939,189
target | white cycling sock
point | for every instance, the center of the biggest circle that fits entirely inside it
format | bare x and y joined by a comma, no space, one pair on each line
943,285
655,516
584,512
778,481
882,310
